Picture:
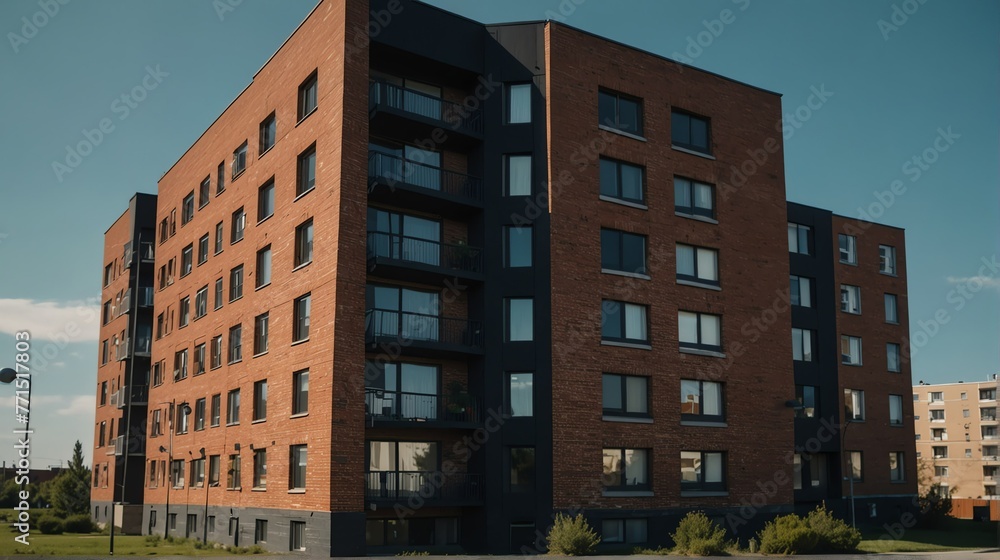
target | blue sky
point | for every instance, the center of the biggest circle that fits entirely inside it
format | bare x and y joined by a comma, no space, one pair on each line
898,74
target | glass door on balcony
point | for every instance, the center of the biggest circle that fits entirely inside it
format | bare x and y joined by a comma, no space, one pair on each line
411,96
410,314
407,392
407,164
404,237
400,469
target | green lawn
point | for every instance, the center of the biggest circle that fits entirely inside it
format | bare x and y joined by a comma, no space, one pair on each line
97,545
956,534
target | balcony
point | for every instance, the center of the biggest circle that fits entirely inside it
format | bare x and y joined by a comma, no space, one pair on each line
133,394
390,409
421,334
123,350
432,487
405,113
395,180
399,257
145,253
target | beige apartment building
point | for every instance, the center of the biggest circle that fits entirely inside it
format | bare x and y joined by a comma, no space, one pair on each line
958,437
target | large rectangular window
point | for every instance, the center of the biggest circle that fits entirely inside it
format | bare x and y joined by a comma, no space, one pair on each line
801,291
517,246
628,531
518,103
623,252
297,467
260,468
690,132
520,394
518,175
306,174
892,357
622,181
693,198
619,111
808,399
300,319
891,309
799,239
887,259
520,319
702,401
850,350
850,299
307,96
624,322
304,243
260,400
848,248
703,471
626,469
699,331
698,265
802,344
625,395
896,410
300,392
235,475
854,405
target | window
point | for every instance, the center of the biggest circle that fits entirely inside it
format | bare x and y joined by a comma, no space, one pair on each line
201,302
887,259
297,467
268,132
965,413
305,179
518,176
520,319
199,359
238,226
260,400
854,405
628,531
702,401
260,334
187,208
197,473
690,132
239,160
850,299
265,201
703,471
939,434
892,357
854,460
235,343
156,429
181,365
988,414
217,351
698,265
802,343
218,293
699,331
109,270
620,112
937,415
182,412
177,473
518,103
203,192
297,535
626,469
895,410
203,250
891,309
801,291
233,407
218,237
625,395
235,473
106,313
199,414
520,394
848,249
937,396
988,432
300,321
623,252
517,246
300,392
304,243
808,399
216,410
940,471
624,322
236,283
187,260
213,470
963,395
260,469
940,451
263,267
987,394
105,349
622,181
850,350
307,96
799,239
522,469
693,198
220,181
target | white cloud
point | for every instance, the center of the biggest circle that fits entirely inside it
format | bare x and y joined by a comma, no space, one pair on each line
72,321
79,404
60,405
990,282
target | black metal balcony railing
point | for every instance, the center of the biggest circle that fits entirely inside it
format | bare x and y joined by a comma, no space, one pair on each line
386,405
419,327
452,115
126,349
423,251
392,170
432,486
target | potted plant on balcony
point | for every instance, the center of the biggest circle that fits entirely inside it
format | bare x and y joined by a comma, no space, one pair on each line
463,256
460,402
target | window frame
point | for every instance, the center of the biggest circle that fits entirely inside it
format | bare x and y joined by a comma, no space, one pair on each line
848,254
688,142
805,335
301,311
696,278
266,200
259,412
618,195
701,485
268,126
303,185
800,229
235,346
623,306
887,256
509,105
702,417
617,250
304,109
240,156
605,94
699,345
851,396
626,410
848,359
623,485
300,395
508,318
239,226
890,349
302,246
296,479
260,333
691,186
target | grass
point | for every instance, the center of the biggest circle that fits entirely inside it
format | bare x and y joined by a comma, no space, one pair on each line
955,534
96,544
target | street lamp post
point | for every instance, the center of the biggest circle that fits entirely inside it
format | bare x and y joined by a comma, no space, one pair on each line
850,466
170,462
208,486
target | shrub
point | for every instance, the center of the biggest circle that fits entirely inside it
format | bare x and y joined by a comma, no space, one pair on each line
788,534
699,536
834,535
571,536
153,540
79,523
256,549
50,525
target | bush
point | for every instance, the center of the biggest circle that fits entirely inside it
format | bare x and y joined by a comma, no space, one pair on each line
256,549
698,535
834,535
788,534
50,525
153,540
79,523
571,536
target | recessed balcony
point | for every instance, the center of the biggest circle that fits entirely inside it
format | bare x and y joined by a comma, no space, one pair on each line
399,257
399,409
410,184
431,487
420,334
401,112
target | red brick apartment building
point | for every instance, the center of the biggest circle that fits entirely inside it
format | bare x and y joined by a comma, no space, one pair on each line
426,282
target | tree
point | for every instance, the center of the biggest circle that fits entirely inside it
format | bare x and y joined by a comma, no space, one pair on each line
70,492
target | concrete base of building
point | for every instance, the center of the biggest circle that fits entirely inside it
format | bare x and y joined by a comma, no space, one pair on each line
127,518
